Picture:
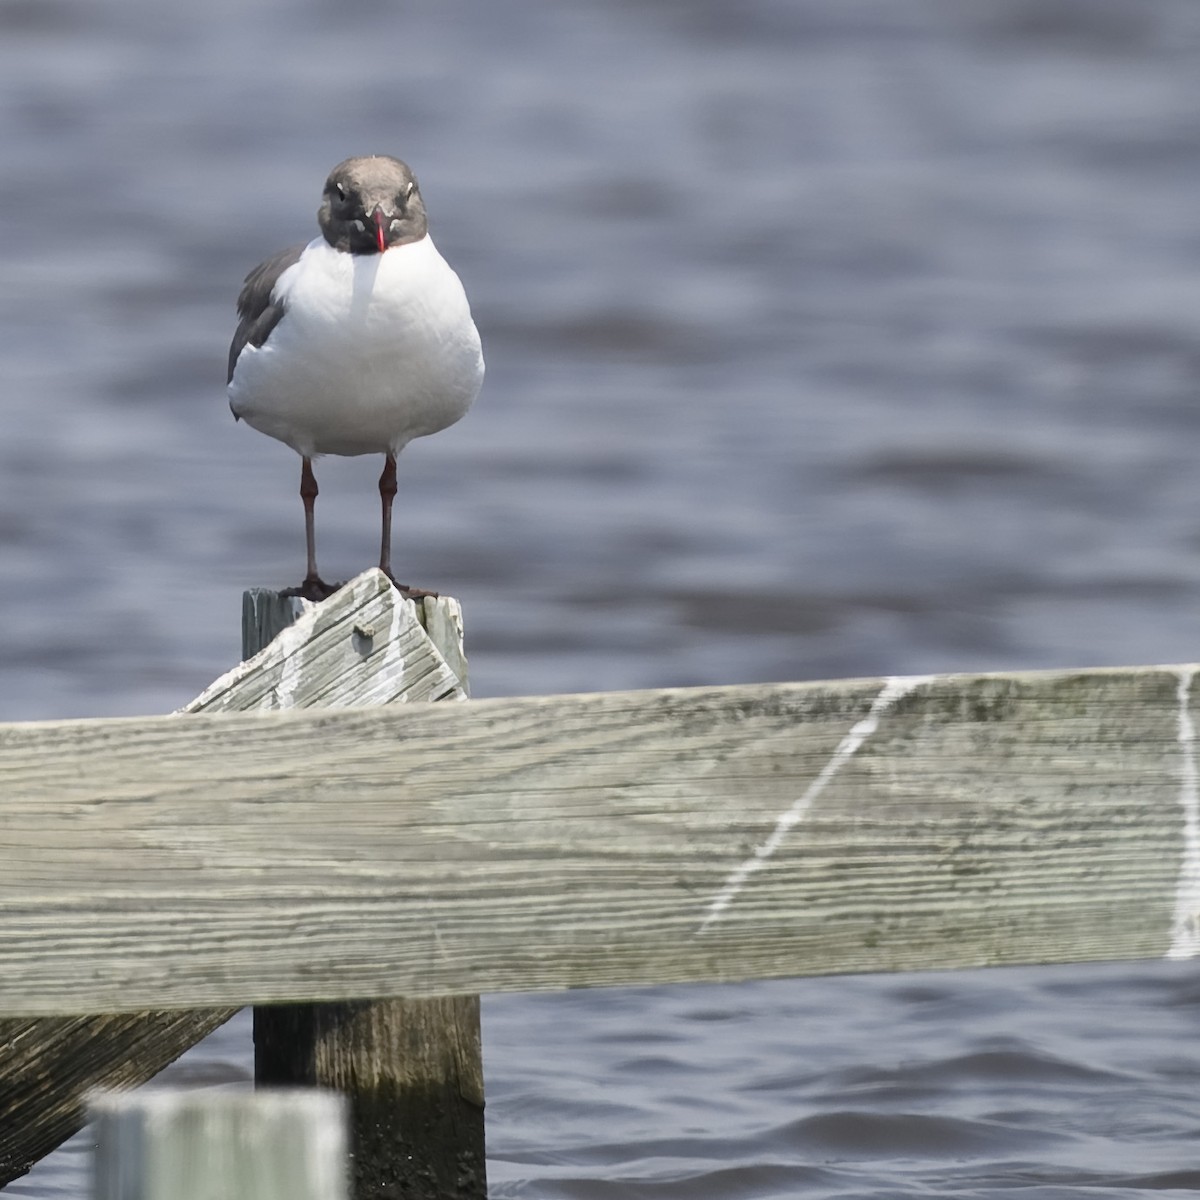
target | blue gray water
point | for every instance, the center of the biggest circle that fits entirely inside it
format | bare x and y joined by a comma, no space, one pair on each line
825,338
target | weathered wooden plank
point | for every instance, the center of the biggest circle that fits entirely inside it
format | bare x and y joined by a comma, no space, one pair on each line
188,1145
49,1064
442,619
366,647
695,834
411,1069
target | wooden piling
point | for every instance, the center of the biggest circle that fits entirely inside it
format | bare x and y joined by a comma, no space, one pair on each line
363,646
411,1070
197,1145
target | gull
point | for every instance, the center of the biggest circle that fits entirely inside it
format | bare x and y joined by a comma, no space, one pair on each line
358,342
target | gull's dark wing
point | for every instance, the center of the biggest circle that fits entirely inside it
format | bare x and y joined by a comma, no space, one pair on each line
258,315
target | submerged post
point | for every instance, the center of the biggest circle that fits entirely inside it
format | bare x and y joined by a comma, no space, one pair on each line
195,1145
412,1070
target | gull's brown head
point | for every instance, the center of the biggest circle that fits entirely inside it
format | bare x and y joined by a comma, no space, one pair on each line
371,204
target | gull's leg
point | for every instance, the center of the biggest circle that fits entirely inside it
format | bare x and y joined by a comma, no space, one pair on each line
313,587
387,494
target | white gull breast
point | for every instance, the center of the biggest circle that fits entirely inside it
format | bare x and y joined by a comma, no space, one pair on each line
372,351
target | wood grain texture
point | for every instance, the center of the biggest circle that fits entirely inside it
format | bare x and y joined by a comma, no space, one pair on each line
364,645
368,600
442,619
48,1065
694,834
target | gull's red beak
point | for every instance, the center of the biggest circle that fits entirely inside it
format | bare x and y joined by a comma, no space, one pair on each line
381,224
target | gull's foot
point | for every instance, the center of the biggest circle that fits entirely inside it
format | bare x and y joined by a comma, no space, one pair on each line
409,593
313,588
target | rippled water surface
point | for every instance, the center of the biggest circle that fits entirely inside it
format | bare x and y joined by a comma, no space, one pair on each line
825,338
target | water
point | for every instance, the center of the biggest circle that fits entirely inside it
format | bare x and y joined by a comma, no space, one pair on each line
825,338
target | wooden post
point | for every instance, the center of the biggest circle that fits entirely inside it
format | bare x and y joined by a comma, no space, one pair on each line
362,646
196,1145
412,1070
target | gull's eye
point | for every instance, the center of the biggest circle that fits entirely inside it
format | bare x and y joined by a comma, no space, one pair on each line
339,191
408,191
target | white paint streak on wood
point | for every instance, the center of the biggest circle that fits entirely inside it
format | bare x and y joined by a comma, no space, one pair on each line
1185,929
393,657
292,649
893,689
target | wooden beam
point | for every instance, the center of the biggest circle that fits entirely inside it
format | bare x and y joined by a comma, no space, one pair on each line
638,837
363,645
48,1065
